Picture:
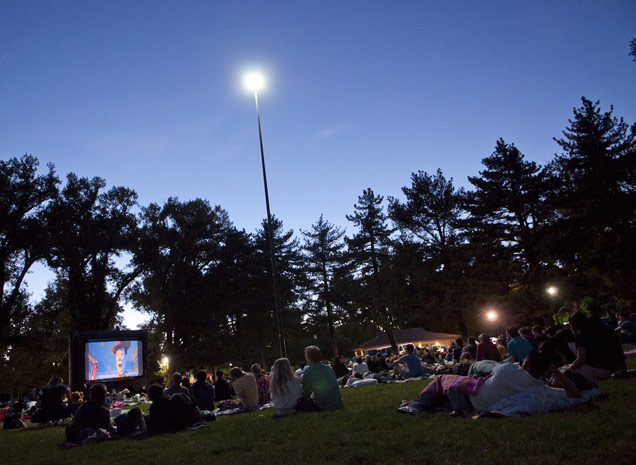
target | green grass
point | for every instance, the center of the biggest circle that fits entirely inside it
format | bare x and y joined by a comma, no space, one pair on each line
368,431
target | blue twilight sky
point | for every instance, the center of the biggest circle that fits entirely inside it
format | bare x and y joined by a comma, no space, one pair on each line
148,95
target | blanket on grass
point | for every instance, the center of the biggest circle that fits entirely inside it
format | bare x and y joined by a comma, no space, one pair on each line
531,403
234,409
465,384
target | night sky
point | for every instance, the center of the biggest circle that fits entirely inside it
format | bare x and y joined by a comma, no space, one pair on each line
360,94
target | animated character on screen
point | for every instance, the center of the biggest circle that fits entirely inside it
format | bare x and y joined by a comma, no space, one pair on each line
120,349
94,364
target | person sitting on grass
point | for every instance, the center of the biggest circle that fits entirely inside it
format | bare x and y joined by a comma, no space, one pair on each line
320,386
411,361
203,392
245,387
428,357
130,423
13,417
598,351
175,385
486,350
370,361
360,366
284,388
518,347
339,368
502,346
170,413
458,349
222,390
262,382
626,330
471,347
90,417
465,394
380,362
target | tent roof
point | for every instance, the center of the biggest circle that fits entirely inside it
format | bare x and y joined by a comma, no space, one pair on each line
405,336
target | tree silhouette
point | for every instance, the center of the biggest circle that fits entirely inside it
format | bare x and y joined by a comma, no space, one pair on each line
23,197
323,255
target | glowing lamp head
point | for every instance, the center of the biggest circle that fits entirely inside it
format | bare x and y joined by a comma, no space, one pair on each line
552,291
165,360
491,315
254,81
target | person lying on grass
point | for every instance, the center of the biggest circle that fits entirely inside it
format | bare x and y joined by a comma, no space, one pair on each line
130,423
466,394
320,386
90,417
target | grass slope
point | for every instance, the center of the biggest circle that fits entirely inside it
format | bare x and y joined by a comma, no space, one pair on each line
368,431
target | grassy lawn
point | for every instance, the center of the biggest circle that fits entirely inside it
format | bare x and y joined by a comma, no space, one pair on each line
368,431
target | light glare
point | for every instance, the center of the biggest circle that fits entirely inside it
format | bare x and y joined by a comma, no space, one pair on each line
254,81
552,290
491,315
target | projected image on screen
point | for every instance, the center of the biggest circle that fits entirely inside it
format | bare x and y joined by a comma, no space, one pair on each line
113,359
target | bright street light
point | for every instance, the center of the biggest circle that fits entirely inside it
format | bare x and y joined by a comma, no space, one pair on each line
552,291
492,315
255,82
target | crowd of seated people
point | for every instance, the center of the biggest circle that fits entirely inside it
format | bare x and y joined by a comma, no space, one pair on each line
553,362
556,361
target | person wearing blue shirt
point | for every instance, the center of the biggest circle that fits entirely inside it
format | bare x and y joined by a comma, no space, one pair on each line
411,361
518,347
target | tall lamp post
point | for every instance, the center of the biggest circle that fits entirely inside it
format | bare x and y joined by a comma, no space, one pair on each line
255,82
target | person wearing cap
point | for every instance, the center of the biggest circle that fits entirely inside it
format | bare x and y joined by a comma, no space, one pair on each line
120,349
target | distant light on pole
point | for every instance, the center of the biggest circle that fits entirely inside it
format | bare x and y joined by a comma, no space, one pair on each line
552,291
255,81
492,315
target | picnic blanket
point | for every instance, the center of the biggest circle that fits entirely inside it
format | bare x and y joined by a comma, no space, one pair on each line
531,403
234,410
363,382
465,384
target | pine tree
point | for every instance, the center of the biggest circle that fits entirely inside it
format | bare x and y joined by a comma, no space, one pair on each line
323,255
369,248
594,234
432,214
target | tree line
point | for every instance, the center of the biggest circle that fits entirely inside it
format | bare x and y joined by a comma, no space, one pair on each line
437,257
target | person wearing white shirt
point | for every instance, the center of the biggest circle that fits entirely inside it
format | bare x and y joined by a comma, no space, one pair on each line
360,366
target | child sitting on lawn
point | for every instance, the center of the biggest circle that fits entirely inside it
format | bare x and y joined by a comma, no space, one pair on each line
91,417
262,382
284,388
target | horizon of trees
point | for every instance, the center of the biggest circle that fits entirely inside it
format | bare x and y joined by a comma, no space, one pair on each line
436,258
